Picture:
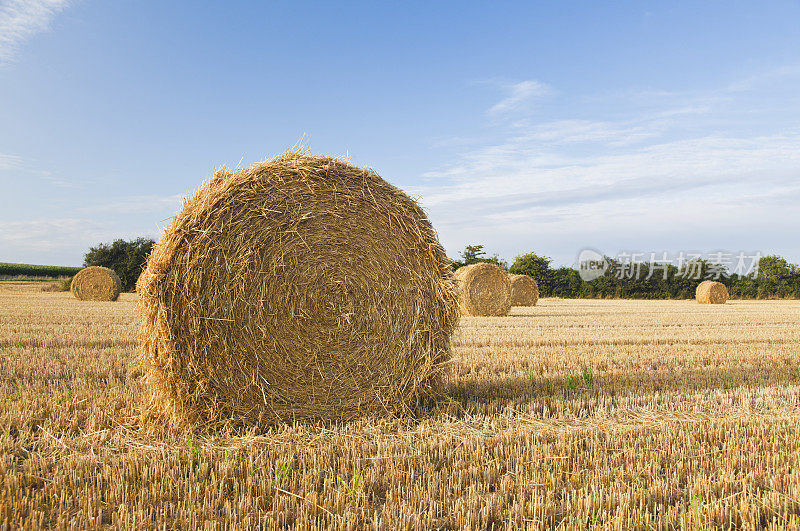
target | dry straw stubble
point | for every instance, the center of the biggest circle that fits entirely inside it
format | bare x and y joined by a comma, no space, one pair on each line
96,283
300,288
711,292
483,289
524,290
75,455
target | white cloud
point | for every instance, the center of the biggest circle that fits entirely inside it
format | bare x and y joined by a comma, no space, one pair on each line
17,231
51,234
519,94
689,170
22,19
9,162
15,163
775,75
61,240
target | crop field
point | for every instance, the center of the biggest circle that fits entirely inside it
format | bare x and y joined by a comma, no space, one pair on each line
35,272
572,414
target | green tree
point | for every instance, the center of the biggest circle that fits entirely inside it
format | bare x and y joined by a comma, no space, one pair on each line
567,283
126,258
473,254
774,268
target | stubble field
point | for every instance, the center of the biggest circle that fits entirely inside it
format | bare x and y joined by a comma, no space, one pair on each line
571,414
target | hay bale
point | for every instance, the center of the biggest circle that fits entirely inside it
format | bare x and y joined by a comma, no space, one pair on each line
96,283
483,289
524,290
711,292
301,288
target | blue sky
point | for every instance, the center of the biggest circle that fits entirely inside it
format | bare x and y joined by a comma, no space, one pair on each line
546,127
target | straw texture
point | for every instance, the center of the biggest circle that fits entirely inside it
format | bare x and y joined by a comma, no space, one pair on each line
711,292
301,288
483,289
96,283
524,290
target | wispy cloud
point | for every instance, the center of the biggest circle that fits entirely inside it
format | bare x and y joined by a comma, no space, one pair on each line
15,166
707,166
22,19
519,95
47,240
775,75
9,162
51,235
516,190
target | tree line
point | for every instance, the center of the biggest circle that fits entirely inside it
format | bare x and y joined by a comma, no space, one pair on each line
774,277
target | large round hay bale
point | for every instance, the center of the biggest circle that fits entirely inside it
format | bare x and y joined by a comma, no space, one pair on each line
96,283
711,292
483,289
524,290
300,288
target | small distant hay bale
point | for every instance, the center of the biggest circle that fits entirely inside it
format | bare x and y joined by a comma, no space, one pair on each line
483,289
524,290
96,283
302,288
711,292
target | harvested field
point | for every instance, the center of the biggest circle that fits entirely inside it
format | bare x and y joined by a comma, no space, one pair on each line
572,413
